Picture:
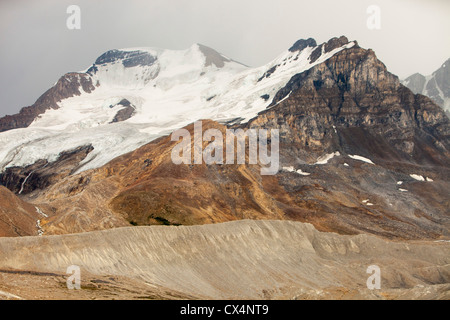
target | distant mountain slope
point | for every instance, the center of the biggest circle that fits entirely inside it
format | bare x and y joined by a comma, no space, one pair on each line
435,86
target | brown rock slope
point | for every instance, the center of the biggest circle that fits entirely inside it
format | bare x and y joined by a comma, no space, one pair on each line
17,218
145,187
349,105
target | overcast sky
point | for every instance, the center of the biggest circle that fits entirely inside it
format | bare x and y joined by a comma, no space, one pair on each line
37,48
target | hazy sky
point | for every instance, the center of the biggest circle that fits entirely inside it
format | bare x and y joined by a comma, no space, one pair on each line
37,48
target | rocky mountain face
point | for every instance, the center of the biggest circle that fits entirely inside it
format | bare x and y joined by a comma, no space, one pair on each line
42,173
236,260
435,86
351,105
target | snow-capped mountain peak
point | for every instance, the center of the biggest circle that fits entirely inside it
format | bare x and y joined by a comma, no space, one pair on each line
129,97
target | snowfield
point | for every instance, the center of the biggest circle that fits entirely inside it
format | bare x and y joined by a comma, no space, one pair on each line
324,159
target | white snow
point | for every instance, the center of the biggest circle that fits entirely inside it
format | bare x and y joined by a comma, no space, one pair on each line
346,164
442,96
25,181
38,222
299,171
402,190
446,104
417,177
427,79
429,179
360,158
289,169
170,94
10,295
399,182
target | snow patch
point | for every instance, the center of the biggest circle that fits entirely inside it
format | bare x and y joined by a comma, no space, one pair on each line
289,169
360,158
10,295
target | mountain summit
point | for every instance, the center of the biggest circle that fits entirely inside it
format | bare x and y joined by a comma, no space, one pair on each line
436,86
359,152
